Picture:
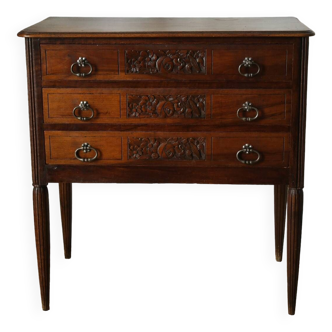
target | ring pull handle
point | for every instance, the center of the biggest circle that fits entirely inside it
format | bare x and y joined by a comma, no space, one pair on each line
81,62
247,107
249,62
86,147
83,106
247,148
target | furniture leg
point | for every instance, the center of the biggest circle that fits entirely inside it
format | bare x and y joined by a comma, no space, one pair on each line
280,202
42,232
294,228
65,191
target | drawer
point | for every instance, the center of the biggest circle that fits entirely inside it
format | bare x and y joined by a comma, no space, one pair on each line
252,106
81,105
61,147
253,62
59,60
258,61
185,106
167,149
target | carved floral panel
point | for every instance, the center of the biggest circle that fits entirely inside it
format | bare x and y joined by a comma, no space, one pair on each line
166,61
173,148
157,106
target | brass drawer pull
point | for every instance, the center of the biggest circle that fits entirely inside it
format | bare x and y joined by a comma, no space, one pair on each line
247,148
81,62
83,106
247,107
248,62
86,147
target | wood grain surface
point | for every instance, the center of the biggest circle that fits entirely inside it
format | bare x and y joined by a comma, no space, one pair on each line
166,149
160,27
168,106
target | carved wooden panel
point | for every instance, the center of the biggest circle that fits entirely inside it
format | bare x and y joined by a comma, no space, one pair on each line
165,61
166,106
174,148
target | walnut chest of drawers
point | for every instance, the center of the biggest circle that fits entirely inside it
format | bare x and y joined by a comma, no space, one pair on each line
168,100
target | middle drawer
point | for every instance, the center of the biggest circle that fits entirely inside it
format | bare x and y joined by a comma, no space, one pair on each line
189,106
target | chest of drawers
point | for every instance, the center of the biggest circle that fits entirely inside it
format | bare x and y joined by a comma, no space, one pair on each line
219,101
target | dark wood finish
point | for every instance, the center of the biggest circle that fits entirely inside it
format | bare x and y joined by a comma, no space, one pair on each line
65,191
275,61
280,202
165,61
166,94
57,60
302,114
298,119
186,105
210,44
295,193
91,27
274,106
150,126
59,105
42,232
160,106
166,149
294,230
61,147
192,62
35,112
171,174
274,149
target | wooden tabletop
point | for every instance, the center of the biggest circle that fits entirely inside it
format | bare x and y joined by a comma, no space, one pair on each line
66,27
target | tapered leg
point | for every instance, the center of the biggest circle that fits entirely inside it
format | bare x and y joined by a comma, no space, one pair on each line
42,232
65,190
294,229
280,200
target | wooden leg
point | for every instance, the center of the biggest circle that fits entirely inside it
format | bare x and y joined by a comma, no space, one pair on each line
294,229
65,190
280,200
42,232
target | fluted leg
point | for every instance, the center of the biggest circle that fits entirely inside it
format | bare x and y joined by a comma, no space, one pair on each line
280,200
294,229
65,190
42,232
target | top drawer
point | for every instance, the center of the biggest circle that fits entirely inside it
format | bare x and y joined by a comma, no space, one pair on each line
220,62
61,61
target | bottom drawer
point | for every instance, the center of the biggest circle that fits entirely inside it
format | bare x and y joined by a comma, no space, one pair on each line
167,148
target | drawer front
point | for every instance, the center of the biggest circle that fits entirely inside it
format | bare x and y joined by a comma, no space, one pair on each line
59,60
269,150
67,105
185,106
252,106
220,62
61,147
259,62
167,149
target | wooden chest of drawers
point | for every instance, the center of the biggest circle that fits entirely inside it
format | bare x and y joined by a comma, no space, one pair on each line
218,101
